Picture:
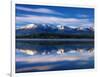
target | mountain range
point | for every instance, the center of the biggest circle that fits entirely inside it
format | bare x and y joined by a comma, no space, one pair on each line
50,29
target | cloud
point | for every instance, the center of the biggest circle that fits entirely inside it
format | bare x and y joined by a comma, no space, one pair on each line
82,15
45,19
39,10
91,24
54,20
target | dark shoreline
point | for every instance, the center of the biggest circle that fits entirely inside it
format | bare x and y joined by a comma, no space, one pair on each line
57,40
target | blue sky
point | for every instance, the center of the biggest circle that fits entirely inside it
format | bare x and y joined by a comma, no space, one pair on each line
68,16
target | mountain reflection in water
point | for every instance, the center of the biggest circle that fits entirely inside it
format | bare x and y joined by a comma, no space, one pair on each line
36,57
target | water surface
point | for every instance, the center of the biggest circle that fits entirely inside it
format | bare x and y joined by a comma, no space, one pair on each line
37,56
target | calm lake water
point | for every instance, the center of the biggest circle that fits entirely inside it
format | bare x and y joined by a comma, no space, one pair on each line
37,56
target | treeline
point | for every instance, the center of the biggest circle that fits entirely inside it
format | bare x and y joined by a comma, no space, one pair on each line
55,36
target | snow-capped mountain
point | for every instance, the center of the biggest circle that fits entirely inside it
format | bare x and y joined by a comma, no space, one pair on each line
80,28
60,27
29,26
51,28
85,28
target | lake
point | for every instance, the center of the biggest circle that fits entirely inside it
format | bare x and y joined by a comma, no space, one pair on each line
37,56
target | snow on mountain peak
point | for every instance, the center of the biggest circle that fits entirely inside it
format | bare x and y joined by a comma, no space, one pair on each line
29,26
80,28
60,27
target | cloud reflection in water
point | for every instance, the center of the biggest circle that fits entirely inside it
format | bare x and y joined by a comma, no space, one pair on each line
32,58
71,55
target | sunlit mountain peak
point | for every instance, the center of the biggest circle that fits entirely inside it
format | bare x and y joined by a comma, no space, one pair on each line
60,27
29,26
